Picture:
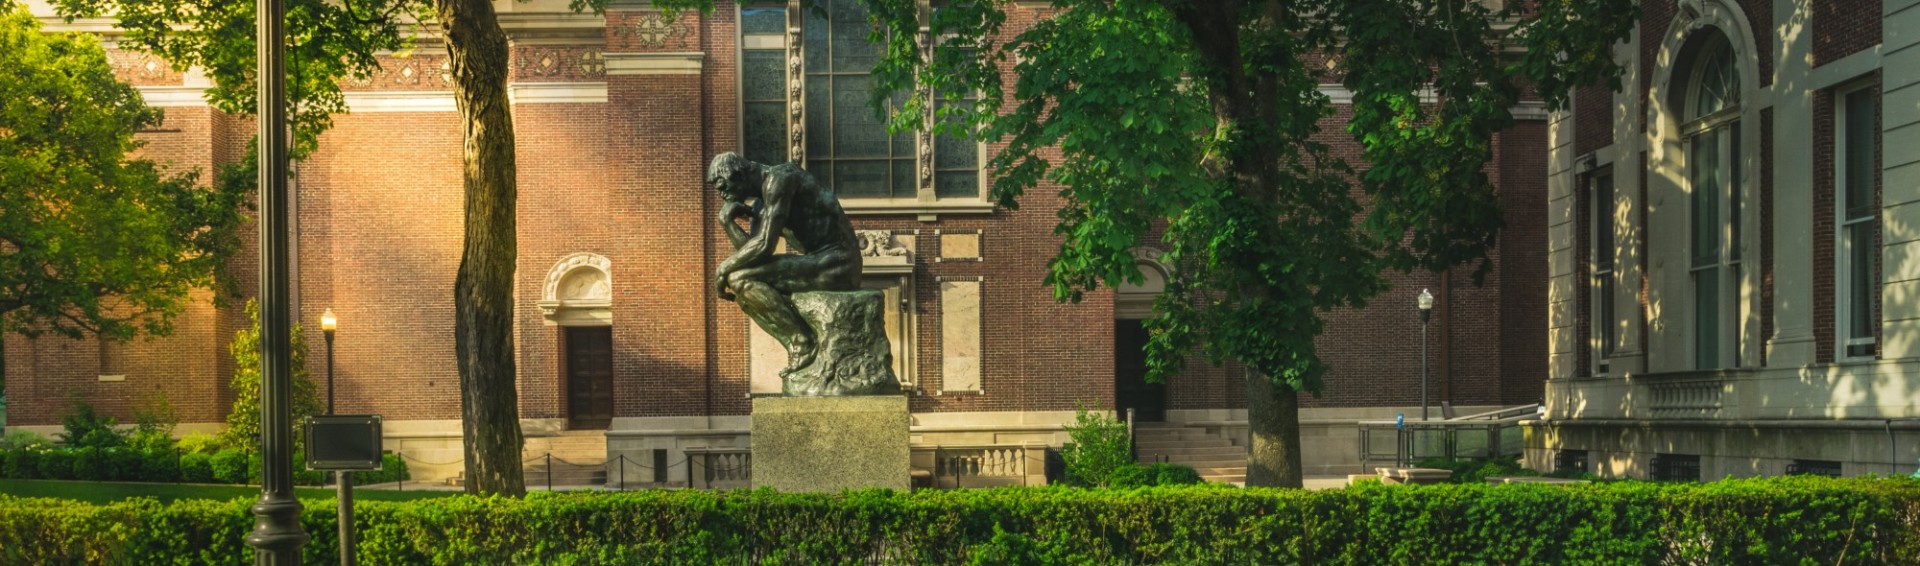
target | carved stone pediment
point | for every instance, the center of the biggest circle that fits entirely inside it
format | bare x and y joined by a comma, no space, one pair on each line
882,252
578,289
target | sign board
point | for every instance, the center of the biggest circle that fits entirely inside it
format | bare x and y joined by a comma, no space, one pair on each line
343,442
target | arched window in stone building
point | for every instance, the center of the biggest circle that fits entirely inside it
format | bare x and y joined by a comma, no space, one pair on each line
1711,130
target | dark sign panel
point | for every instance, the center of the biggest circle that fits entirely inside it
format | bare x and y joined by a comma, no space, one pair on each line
343,442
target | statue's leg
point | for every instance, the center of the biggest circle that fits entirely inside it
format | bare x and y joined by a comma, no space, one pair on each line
774,312
765,293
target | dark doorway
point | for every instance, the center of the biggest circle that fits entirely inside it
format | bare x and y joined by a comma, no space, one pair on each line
1130,387
588,367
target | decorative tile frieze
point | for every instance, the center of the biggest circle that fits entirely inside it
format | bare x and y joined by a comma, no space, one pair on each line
419,71
650,31
559,63
142,69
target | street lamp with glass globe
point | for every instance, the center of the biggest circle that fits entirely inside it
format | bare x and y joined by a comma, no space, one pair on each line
327,325
1426,315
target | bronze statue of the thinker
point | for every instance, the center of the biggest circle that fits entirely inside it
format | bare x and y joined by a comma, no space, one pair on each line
785,200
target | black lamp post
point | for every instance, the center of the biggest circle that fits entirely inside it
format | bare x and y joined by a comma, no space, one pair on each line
1426,315
277,536
342,481
327,325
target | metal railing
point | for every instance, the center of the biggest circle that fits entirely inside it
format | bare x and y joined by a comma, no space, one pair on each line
1479,436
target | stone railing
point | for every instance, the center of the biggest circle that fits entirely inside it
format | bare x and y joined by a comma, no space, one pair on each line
982,465
719,468
1686,395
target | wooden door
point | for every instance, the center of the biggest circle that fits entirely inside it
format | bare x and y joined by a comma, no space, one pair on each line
589,374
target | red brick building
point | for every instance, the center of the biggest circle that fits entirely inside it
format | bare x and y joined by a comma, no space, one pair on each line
619,334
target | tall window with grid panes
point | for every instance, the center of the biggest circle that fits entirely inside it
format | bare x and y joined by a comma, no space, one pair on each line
1712,132
1858,250
843,142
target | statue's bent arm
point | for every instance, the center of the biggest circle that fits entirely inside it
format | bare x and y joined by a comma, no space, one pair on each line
776,202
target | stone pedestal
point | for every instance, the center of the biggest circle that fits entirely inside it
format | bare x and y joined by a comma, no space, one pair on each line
827,444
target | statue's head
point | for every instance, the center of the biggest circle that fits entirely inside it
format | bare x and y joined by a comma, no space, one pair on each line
736,177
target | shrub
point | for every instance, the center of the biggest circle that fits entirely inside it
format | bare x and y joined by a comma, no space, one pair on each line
1136,475
198,443
1477,471
159,465
84,427
125,464
89,464
196,467
1175,474
1799,520
243,419
55,465
23,464
392,468
23,439
229,466
1099,446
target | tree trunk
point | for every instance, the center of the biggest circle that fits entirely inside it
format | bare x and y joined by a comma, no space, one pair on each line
1244,107
483,288
1273,433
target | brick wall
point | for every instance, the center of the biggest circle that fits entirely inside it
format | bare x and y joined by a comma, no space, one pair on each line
380,219
1844,27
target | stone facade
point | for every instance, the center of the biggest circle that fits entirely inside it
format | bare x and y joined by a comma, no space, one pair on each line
616,117
1806,362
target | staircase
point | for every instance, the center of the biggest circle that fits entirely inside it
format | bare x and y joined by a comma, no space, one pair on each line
1216,458
579,459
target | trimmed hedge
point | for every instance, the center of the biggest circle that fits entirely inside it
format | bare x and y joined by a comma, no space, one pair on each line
1765,521
164,466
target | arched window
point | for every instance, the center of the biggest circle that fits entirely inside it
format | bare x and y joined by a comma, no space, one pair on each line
1711,131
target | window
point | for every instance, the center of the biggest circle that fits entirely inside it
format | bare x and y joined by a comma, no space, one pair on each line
1826,468
1570,460
845,143
1858,254
1712,137
1674,467
1601,287
763,101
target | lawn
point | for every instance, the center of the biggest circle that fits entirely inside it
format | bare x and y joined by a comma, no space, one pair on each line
103,492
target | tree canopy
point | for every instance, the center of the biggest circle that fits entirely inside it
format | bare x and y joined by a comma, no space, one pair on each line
1201,121
90,239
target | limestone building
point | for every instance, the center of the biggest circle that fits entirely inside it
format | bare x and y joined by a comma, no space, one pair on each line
623,349
1733,267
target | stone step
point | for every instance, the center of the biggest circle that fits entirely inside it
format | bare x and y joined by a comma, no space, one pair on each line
1180,451
1241,470
1194,443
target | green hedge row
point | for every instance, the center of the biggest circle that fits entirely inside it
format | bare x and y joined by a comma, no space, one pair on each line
163,465
1766,521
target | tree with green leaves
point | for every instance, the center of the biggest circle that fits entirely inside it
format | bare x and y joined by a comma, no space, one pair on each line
91,240
243,421
329,41
1202,120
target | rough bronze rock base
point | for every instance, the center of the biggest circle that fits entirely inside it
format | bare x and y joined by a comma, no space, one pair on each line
851,355
828,444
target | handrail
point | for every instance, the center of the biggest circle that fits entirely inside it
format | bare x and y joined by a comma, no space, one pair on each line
1456,438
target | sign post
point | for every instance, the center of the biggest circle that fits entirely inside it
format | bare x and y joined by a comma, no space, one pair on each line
341,444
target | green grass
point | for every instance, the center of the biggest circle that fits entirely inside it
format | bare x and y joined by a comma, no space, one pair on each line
104,492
